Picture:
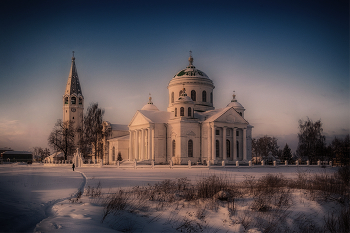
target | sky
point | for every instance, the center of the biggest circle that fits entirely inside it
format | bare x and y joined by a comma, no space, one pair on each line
285,60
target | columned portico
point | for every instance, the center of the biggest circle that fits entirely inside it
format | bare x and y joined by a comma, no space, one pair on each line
142,144
213,147
152,128
234,144
136,155
209,143
244,144
149,143
130,145
224,152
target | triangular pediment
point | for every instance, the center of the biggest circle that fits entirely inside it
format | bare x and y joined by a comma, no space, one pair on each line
230,116
191,133
139,119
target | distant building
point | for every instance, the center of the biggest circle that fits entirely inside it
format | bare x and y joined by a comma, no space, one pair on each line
17,156
5,149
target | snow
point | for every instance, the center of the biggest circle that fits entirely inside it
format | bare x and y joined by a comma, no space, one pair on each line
39,198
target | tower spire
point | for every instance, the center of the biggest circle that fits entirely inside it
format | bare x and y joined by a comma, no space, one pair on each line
73,84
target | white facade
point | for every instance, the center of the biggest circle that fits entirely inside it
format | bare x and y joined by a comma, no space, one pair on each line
191,128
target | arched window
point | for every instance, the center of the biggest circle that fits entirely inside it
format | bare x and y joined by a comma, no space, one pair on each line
228,148
66,100
74,100
113,154
217,147
80,101
190,148
172,97
175,112
174,148
240,113
204,96
189,111
211,97
237,149
193,95
182,111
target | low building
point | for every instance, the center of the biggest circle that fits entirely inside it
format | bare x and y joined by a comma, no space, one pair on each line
17,156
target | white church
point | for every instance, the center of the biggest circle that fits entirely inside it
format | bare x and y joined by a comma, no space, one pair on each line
190,129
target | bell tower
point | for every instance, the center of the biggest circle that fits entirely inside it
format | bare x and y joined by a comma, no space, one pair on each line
73,101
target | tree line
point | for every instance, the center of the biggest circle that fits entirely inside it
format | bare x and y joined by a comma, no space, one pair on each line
311,146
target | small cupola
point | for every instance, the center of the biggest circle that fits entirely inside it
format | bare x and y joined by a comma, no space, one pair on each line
184,106
236,105
150,106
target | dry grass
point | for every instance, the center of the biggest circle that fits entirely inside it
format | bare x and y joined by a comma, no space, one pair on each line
269,199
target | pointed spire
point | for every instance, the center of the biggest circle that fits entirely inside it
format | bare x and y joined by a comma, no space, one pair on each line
73,84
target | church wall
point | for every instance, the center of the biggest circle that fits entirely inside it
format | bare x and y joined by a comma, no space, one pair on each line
122,146
118,133
249,143
205,141
182,132
160,143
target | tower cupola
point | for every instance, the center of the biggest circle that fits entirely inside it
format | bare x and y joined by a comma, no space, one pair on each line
184,106
237,106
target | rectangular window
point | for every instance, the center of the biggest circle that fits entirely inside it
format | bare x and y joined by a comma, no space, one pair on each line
217,132
228,133
237,133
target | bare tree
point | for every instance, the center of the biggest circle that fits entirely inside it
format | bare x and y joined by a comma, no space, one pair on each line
62,137
93,129
265,145
40,153
311,141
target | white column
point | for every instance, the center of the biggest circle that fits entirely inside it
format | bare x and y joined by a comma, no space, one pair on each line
137,145
213,147
142,144
153,143
130,145
224,154
149,143
234,144
245,144
209,143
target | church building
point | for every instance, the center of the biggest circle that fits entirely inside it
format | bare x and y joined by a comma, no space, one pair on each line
191,128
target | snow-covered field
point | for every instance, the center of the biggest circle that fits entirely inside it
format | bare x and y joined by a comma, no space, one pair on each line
40,199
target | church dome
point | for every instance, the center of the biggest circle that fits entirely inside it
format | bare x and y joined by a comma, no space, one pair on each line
190,74
199,87
150,106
